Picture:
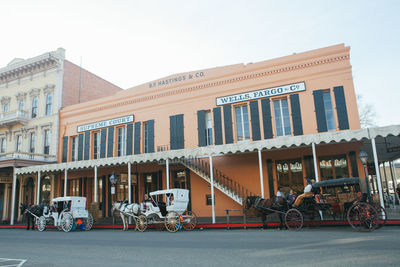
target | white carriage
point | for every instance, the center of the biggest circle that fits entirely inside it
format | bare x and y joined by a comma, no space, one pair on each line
64,212
168,207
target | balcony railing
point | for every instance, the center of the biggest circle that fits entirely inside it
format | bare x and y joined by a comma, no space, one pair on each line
13,117
28,156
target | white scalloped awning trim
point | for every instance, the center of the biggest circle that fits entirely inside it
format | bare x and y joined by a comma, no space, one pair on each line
240,147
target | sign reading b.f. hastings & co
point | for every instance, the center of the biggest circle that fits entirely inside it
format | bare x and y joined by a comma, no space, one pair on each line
263,93
106,123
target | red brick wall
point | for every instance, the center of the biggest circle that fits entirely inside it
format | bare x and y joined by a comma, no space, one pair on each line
92,86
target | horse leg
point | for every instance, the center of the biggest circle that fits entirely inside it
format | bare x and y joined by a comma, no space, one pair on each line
123,221
264,219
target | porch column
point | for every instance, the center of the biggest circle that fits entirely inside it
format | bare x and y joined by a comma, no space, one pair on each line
38,189
65,182
378,175
261,173
167,165
13,196
129,188
212,190
387,184
315,162
95,183
394,180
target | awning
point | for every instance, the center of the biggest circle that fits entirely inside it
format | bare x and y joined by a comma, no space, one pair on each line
387,141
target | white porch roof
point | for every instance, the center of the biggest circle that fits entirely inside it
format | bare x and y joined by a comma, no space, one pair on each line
386,138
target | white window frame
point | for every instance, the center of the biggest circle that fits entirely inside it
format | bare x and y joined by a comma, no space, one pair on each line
280,120
242,121
18,143
46,141
209,127
328,109
35,101
74,148
3,145
49,104
32,142
96,145
121,141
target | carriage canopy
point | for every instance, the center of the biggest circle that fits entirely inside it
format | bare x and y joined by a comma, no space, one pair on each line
76,202
338,182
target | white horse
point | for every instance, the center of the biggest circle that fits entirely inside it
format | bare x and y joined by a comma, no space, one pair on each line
126,210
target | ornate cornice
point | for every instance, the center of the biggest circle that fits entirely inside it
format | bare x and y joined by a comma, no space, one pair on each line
34,92
49,88
21,96
5,100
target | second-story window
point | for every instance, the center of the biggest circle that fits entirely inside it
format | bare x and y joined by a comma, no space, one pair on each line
146,137
49,101
6,107
96,145
3,145
282,118
74,148
21,105
209,138
19,143
32,142
121,142
46,147
330,117
34,107
242,123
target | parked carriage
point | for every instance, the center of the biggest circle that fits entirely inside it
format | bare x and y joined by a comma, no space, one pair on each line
168,207
347,202
64,212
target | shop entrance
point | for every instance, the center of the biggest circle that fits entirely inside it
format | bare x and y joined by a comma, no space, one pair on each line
151,182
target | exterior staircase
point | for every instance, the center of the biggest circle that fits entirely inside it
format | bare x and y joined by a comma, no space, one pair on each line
223,183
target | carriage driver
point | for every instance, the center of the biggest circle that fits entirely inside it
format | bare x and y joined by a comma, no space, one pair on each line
307,193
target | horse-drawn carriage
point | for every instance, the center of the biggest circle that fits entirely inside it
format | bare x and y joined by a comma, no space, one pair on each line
64,213
168,207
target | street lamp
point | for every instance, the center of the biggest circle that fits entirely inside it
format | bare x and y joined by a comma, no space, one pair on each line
113,181
363,156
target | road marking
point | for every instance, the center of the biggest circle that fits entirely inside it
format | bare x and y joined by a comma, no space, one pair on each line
10,263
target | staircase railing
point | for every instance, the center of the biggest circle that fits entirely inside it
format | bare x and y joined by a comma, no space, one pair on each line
219,177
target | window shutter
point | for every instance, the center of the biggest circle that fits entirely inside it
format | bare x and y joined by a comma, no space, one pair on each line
353,162
296,114
129,138
320,111
341,108
110,144
87,145
103,142
201,127
180,131
217,126
65,149
228,124
150,135
255,120
137,139
80,146
177,140
267,122
172,132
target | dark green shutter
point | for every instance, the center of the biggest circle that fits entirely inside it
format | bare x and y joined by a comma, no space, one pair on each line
129,138
255,120
267,122
80,146
150,136
341,108
228,124
270,179
65,149
172,132
176,129
296,115
103,142
353,162
87,145
136,149
201,127
110,143
217,126
320,111
309,167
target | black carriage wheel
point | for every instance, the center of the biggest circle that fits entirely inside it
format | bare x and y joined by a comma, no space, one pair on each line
293,220
382,216
363,217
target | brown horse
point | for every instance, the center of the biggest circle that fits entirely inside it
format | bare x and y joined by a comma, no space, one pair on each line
265,207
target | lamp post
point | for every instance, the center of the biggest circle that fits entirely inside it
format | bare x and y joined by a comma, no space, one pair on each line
363,156
113,181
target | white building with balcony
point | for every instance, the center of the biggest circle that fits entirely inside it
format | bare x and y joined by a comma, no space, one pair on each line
32,91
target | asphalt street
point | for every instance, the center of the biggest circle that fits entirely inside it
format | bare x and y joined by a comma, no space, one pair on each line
336,246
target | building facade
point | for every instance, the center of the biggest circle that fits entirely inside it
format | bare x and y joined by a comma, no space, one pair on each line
32,92
224,133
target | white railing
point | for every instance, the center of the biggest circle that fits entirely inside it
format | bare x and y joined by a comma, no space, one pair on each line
13,116
28,156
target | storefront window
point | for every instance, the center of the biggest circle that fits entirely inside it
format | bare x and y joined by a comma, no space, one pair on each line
45,192
333,167
290,174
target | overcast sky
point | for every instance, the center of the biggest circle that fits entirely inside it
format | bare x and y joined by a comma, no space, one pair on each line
132,42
